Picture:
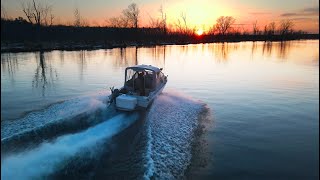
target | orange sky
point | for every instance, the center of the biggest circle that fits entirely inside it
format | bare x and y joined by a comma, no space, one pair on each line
201,14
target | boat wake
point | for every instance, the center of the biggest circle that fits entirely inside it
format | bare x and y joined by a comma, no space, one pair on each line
81,138
43,160
70,116
171,123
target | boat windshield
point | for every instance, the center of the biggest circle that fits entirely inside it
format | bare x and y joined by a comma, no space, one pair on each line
159,78
140,81
131,74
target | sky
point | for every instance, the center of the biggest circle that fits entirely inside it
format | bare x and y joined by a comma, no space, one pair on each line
201,14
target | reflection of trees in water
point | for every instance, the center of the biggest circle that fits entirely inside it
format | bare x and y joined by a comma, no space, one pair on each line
61,55
164,56
253,48
125,56
158,54
9,65
282,48
136,56
184,49
45,76
130,56
267,48
222,51
82,62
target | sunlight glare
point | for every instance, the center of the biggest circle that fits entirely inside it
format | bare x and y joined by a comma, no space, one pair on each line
199,32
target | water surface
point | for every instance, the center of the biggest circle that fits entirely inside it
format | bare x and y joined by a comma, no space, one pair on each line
262,100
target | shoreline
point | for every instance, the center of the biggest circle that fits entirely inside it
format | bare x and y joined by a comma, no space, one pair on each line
16,47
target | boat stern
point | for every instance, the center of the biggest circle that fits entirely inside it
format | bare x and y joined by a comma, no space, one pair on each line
126,102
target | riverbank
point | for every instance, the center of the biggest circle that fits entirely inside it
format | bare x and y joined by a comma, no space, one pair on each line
68,46
29,46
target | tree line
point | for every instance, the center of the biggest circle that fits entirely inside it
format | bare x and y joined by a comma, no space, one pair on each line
39,23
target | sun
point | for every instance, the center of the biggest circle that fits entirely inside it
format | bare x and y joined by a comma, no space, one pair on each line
199,32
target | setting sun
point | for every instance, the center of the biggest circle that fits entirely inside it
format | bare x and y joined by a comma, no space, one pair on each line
199,32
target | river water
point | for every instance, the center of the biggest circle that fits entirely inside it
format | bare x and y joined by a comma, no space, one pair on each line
247,110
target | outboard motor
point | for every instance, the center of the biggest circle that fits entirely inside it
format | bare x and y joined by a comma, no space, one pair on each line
114,94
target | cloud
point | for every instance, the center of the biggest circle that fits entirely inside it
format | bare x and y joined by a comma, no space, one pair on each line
259,13
301,19
313,11
289,14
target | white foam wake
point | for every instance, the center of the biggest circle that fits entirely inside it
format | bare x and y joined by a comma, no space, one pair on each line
44,159
56,112
172,119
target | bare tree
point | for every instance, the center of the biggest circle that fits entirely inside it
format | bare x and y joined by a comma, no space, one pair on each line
154,23
114,22
265,32
30,11
182,25
237,30
51,19
36,12
224,24
244,30
163,19
4,14
178,26
128,18
77,17
285,27
212,30
183,16
255,28
47,17
270,29
132,14
84,22
160,23
118,22
300,32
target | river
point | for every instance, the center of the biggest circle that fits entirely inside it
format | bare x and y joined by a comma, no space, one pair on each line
247,110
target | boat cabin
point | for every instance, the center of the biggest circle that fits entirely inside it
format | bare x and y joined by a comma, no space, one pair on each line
140,80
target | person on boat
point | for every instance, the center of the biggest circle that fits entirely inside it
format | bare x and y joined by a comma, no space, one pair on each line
140,83
148,80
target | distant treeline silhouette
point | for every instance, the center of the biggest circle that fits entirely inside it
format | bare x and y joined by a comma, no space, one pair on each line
39,37
21,30
39,31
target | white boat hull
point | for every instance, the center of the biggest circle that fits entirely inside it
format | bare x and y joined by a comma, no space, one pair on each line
127,102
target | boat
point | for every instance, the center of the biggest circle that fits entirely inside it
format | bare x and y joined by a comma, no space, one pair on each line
143,83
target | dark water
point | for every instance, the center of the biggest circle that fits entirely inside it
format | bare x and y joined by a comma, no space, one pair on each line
246,110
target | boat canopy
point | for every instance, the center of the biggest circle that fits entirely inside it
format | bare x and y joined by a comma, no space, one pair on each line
144,67
144,78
